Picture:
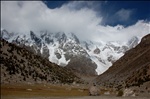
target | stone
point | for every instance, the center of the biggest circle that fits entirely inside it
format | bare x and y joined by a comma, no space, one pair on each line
107,93
93,90
128,92
29,89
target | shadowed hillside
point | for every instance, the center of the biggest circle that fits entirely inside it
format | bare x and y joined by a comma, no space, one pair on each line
18,65
133,69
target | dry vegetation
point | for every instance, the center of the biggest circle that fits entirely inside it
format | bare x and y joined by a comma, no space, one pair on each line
53,91
19,65
40,90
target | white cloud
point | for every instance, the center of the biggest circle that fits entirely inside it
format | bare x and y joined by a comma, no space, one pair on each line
77,5
23,16
121,33
123,14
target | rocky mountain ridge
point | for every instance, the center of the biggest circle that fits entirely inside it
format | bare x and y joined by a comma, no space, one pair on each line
66,49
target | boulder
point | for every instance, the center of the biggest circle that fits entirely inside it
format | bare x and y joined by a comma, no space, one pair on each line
107,93
128,92
93,90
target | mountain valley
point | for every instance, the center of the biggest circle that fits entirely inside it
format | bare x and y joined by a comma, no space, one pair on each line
64,62
67,49
132,70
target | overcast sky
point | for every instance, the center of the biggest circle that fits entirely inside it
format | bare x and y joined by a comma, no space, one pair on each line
93,20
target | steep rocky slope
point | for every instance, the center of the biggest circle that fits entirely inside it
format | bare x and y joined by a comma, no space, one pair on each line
18,65
82,65
133,69
65,49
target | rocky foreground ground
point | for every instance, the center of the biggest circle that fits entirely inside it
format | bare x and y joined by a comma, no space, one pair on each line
83,97
44,91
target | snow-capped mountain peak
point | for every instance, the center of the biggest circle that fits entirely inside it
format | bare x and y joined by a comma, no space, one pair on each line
65,49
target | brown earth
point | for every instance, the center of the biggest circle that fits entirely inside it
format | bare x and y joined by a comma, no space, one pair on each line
84,97
49,91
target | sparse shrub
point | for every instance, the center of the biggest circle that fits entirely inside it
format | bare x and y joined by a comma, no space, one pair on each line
26,71
35,79
30,73
5,54
24,79
42,69
22,61
4,75
120,93
22,74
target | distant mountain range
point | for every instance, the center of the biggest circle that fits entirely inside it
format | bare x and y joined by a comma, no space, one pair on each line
67,50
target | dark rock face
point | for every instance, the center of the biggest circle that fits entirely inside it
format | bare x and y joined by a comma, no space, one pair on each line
36,39
5,35
86,45
57,55
76,39
97,51
45,52
61,37
133,69
110,58
48,40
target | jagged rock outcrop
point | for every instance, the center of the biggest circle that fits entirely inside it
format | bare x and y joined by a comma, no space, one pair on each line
97,51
